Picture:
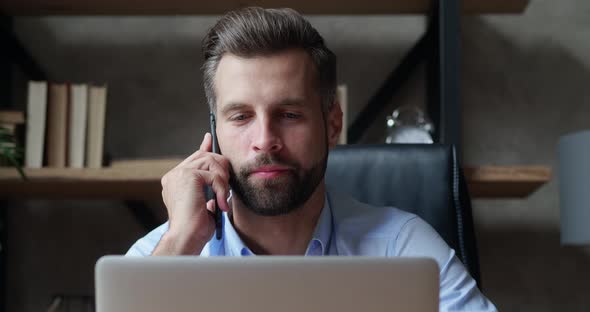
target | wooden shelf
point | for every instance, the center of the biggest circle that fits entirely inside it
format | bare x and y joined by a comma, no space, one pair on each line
505,181
124,180
192,7
141,180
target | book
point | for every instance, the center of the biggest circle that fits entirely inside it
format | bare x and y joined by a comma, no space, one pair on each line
96,124
57,125
35,133
342,99
77,125
11,117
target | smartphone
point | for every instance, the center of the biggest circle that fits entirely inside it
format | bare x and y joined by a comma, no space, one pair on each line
215,149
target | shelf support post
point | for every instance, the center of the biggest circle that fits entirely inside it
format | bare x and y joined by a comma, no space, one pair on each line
443,73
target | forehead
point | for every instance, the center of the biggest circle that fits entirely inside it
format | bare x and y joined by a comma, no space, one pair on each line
265,79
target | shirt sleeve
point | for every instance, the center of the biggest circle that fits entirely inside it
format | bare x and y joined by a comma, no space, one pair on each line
458,290
146,245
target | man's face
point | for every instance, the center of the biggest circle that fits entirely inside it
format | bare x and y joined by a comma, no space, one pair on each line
271,128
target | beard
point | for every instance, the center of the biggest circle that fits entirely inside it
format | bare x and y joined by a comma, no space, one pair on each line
280,195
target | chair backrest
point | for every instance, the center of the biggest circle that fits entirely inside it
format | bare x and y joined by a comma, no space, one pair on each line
424,179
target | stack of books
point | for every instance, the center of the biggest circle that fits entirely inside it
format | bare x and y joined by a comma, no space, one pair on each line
65,125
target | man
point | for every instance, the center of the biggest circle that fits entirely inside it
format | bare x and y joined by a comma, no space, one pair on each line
271,82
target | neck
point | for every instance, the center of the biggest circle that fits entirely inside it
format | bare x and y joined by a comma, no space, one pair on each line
279,235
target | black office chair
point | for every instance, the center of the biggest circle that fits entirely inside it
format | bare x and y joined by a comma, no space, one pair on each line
424,179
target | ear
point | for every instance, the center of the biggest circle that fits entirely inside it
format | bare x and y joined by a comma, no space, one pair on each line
334,124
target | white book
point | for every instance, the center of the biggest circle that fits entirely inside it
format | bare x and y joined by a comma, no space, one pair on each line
77,126
96,124
342,98
36,112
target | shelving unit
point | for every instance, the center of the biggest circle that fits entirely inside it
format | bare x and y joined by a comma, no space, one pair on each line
140,180
190,7
439,47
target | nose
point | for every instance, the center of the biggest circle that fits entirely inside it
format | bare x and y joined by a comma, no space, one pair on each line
267,138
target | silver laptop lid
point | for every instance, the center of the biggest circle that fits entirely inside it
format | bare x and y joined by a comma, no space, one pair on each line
231,284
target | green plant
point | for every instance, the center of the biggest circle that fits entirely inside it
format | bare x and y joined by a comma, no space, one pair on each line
10,153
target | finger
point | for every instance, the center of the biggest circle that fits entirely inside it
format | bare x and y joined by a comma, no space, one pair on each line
206,144
211,205
204,149
214,163
222,200
221,171
198,153
221,189
219,186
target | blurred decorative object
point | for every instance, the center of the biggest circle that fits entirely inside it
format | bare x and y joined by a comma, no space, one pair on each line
409,124
574,188
11,152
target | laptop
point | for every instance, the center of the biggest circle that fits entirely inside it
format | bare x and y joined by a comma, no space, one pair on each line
266,283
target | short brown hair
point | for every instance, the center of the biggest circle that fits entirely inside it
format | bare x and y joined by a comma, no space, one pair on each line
256,31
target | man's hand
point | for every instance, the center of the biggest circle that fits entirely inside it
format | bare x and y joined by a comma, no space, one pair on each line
190,215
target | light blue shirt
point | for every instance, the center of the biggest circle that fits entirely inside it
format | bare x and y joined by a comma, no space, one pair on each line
347,227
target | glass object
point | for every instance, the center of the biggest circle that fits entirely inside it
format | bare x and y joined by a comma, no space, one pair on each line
409,124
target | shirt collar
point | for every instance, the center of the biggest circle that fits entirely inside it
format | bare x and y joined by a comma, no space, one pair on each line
318,245
320,241
233,243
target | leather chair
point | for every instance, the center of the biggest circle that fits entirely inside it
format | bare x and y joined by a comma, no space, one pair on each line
424,179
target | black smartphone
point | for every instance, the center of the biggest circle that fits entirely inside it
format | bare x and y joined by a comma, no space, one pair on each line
215,149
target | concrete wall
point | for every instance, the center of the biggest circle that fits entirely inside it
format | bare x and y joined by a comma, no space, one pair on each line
525,83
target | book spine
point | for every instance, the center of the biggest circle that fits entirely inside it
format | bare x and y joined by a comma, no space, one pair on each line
36,113
77,126
96,126
57,119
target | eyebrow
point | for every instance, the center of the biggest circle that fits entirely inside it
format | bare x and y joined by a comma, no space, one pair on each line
233,106
292,102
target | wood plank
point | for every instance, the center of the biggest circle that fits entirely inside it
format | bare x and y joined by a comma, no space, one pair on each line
130,180
506,181
12,117
141,180
192,7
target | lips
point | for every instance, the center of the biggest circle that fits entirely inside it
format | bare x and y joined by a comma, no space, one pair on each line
269,171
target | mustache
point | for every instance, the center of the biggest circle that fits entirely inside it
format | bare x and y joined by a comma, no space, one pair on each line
266,160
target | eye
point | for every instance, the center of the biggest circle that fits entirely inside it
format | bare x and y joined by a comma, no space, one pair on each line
291,115
238,117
